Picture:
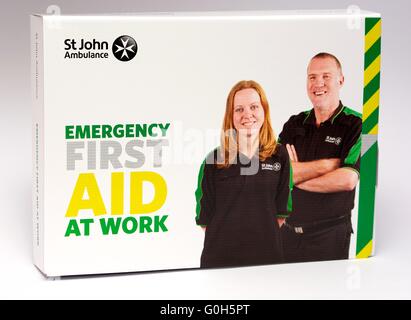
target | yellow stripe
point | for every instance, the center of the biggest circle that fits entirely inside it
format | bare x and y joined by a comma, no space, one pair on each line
371,105
366,251
372,70
372,36
374,130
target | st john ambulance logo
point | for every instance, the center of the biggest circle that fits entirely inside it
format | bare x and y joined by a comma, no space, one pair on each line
272,167
333,140
277,166
124,48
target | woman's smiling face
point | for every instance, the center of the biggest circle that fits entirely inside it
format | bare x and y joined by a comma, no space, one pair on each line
248,113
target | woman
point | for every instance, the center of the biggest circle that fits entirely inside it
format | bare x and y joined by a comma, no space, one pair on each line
244,186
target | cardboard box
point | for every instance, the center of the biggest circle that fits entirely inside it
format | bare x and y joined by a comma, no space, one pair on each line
127,107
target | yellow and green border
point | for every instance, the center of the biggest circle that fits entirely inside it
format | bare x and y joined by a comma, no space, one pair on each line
369,148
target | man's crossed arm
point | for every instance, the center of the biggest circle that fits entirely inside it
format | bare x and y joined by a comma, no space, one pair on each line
323,176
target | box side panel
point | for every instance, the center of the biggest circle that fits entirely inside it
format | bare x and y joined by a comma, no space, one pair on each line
369,150
37,98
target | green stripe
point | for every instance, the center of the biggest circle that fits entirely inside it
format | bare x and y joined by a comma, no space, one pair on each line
350,112
367,197
354,153
368,167
370,23
372,53
342,109
290,189
371,88
370,122
199,191
307,114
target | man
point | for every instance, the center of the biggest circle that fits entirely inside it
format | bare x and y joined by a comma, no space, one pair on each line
324,146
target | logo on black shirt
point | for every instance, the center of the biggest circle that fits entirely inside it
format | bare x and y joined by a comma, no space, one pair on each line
334,140
272,167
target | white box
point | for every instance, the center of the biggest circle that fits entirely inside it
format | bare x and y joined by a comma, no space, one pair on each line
152,90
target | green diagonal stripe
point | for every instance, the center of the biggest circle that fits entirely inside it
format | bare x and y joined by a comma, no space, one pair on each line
372,53
371,88
369,157
367,197
370,122
354,153
370,23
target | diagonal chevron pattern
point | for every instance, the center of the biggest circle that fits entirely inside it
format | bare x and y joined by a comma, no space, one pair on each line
369,150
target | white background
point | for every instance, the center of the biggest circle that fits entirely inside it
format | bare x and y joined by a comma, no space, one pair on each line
387,275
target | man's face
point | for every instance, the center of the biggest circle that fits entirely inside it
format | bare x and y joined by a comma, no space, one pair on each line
248,113
324,81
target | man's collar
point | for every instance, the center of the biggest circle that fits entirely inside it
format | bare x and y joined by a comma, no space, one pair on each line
310,118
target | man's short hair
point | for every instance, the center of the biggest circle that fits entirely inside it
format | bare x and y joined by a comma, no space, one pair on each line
323,55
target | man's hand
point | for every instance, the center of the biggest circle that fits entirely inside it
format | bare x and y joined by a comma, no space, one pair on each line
303,171
291,152
280,221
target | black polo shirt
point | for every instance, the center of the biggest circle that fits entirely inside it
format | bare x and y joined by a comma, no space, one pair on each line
338,137
241,211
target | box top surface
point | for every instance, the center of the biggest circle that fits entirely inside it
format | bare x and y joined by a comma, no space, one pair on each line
277,14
